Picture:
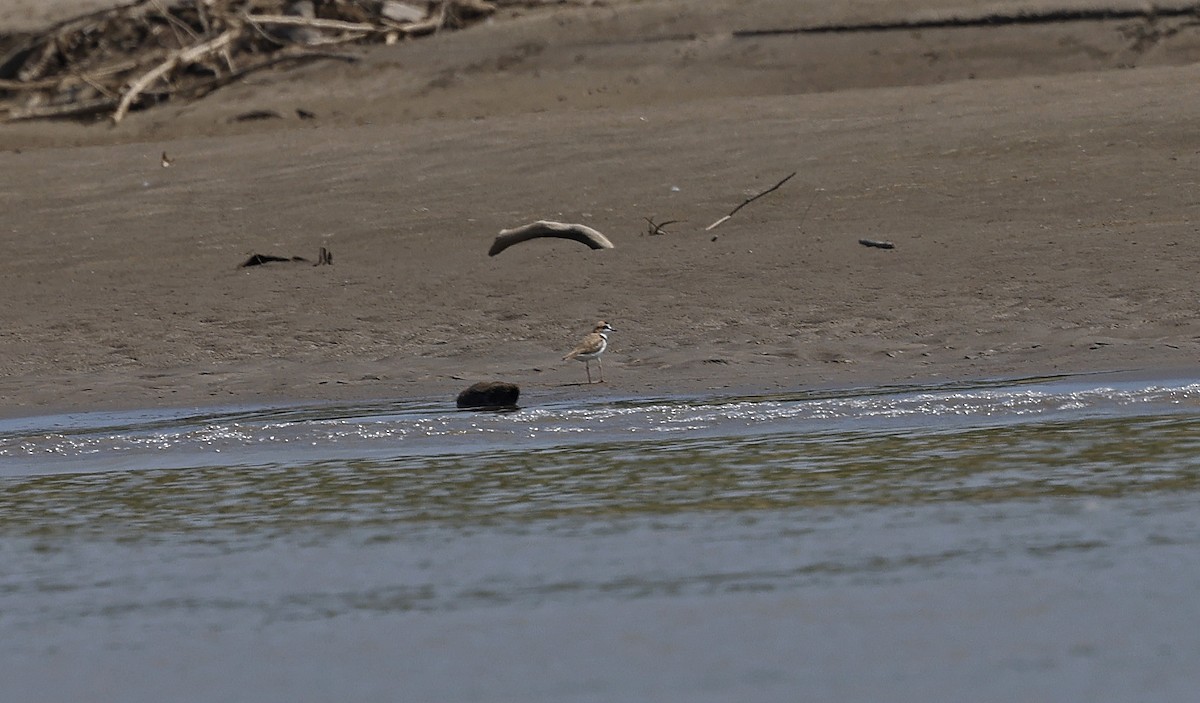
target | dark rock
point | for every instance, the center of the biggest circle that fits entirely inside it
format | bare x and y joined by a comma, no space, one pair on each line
489,394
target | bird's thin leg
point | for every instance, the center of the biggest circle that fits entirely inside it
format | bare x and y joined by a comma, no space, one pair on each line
588,365
601,362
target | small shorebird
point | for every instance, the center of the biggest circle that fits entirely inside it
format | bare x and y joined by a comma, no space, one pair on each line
591,347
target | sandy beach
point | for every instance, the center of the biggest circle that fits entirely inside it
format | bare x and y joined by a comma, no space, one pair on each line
1038,181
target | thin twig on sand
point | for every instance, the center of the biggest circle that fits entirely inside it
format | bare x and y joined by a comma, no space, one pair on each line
747,202
658,227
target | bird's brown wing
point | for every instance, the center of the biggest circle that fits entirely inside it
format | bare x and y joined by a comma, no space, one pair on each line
590,345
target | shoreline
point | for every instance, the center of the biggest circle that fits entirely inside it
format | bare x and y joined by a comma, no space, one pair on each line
533,395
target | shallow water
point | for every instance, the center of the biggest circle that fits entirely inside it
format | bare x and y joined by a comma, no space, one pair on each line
1031,540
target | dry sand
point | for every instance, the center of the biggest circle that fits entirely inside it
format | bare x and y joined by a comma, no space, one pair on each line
1038,181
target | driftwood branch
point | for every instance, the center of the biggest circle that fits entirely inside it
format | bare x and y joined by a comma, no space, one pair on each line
545,228
748,201
66,81
185,56
74,109
113,59
315,23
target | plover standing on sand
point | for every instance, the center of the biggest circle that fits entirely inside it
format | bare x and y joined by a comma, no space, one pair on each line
591,347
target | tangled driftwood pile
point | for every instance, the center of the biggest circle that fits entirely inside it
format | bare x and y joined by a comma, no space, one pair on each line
150,51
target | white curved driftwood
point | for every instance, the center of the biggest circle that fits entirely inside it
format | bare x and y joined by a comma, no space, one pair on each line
545,228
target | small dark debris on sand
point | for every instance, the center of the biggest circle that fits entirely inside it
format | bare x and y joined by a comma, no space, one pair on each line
876,244
325,258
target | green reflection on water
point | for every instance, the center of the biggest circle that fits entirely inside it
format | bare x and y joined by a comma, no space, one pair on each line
1099,457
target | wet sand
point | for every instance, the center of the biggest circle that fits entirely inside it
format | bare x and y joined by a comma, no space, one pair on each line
1038,182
